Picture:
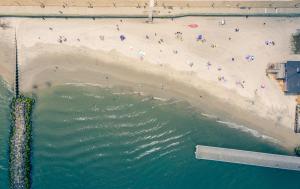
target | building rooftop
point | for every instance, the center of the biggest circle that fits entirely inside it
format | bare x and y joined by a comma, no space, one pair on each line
292,77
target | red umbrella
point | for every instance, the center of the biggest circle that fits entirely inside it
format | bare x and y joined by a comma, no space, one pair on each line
193,25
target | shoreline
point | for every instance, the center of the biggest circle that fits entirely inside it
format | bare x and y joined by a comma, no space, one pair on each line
169,68
148,84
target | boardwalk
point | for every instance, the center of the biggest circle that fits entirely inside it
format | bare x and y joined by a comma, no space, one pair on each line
247,157
18,145
141,8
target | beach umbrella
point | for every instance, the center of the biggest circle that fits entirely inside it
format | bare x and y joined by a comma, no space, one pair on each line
122,37
223,22
199,37
141,54
193,25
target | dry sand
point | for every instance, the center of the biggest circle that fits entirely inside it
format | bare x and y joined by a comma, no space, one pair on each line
174,67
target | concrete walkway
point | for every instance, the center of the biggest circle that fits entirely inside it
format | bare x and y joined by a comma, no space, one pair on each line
248,157
58,11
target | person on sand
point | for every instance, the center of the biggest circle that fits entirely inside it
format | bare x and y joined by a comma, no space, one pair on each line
178,35
222,78
191,64
60,39
239,84
208,65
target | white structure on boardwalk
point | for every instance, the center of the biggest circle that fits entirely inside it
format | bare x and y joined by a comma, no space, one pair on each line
151,5
248,157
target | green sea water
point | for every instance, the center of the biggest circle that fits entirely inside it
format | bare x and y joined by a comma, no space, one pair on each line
5,96
89,137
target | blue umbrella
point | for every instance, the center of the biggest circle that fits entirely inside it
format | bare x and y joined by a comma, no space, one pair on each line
122,37
200,37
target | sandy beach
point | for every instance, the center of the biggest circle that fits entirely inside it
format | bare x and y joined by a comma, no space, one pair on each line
195,59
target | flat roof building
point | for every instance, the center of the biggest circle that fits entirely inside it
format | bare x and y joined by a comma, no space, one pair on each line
289,74
292,77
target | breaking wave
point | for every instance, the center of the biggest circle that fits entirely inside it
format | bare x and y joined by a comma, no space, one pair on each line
248,130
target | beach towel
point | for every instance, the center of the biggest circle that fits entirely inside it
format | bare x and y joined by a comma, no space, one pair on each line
193,25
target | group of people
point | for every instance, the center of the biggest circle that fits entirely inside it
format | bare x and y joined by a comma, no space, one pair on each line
178,35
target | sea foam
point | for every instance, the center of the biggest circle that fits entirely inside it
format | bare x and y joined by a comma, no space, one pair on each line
248,130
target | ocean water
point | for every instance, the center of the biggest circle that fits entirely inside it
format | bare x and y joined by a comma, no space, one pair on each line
5,96
89,137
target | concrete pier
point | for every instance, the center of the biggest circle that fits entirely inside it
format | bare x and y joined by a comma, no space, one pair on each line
248,157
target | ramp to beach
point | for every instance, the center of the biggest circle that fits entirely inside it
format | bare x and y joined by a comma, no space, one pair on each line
248,157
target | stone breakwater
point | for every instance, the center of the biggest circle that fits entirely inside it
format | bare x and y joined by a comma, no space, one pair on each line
19,166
